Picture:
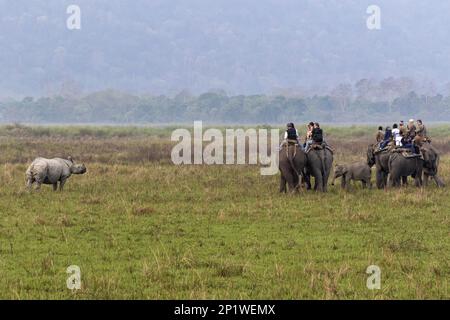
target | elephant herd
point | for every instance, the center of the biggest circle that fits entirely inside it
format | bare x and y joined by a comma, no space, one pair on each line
392,168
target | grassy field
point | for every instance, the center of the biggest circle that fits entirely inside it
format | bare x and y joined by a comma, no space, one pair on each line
141,228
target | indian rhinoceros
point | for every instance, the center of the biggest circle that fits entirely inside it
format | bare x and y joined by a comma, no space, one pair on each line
50,171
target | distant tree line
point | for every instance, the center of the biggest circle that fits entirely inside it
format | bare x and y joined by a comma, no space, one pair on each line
344,104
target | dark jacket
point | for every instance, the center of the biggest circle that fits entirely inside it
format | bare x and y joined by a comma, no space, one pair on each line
387,135
317,135
292,134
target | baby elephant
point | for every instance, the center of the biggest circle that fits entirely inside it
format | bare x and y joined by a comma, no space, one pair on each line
50,171
359,171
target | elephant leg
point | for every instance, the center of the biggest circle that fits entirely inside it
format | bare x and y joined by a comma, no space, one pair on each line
391,182
347,183
417,182
290,181
55,186
385,178
426,177
318,183
405,181
379,179
326,176
396,182
343,182
307,177
363,184
302,180
419,179
282,184
439,182
325,181
296,182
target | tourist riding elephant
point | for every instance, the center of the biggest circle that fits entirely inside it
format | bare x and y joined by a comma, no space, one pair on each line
358,171
431,164
292,161
401,166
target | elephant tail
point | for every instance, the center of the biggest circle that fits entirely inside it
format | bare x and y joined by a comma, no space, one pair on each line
438,158
391,158
323,156
291,161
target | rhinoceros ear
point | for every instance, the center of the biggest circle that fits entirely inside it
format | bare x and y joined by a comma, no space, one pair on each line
70,159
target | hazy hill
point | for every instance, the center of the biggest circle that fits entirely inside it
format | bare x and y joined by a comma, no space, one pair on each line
242,47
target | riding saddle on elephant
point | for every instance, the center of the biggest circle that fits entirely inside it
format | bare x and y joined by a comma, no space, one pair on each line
320,146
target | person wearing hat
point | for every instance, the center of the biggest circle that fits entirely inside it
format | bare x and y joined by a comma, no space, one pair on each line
401,127
421,130
408,140
411,129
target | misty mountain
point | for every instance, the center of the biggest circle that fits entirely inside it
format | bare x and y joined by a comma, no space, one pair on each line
241,47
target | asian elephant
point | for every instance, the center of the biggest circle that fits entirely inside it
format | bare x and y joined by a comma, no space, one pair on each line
359,171
292,161
401,166
431,164
319,164
381,162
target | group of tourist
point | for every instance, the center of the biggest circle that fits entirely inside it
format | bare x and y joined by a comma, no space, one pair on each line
408,137
314,135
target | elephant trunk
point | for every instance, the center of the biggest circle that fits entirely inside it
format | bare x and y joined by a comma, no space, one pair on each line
336,175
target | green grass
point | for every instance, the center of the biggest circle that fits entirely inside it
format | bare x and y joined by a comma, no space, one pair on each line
157,231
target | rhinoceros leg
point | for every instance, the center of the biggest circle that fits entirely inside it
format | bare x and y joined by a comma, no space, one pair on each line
55,186
61,184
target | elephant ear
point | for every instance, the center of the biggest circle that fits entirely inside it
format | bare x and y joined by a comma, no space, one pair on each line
344,169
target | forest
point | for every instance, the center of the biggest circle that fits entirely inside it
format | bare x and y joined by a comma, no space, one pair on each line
366,101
